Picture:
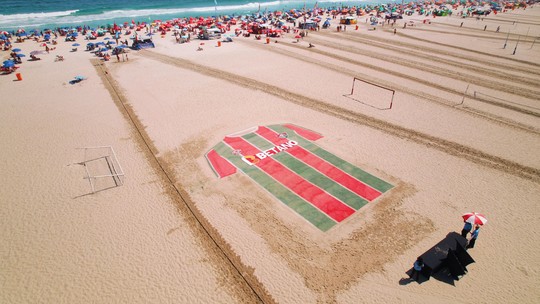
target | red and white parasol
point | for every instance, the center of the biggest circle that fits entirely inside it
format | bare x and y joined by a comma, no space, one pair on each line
474,218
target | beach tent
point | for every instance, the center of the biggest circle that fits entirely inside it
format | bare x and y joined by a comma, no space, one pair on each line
308,24
462,255
348,20
454,266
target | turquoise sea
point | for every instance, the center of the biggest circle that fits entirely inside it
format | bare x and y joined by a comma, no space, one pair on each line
29,15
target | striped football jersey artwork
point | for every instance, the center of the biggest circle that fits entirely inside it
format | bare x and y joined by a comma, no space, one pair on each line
319,186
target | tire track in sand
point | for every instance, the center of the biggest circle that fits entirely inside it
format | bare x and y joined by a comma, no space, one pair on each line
446,146
509,89
484,70
532,67
245,285
531,94
420,94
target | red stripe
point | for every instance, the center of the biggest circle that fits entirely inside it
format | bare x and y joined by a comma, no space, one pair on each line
221,165
323,166
307,134
311,193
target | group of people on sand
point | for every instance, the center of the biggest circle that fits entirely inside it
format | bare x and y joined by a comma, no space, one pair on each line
467,229
474,233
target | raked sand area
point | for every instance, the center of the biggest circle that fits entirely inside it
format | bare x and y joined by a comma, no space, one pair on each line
176,233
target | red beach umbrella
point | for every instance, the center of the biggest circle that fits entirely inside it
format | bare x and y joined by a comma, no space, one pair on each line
474,218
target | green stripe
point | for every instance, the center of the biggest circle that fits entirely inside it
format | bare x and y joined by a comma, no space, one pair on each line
358,173
308,173
305,209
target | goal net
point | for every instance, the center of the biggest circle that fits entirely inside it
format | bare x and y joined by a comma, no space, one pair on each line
102,169
371,94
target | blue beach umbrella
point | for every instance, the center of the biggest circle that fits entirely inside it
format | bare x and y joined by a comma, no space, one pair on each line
21,55
8,64
16,50
75,44
112,42
106,38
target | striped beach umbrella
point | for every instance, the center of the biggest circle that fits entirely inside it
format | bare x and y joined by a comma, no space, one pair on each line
474,218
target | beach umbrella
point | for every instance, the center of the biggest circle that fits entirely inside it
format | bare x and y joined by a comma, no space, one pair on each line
112,42
8,64
21,55
107,38
36,53
16,50
474,218
75,44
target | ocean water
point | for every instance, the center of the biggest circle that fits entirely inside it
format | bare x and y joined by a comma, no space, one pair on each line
15,14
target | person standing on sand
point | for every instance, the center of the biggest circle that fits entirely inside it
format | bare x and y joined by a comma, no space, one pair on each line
466,229
474,236
417,268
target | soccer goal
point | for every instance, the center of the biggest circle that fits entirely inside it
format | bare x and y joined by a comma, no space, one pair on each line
371,94
102,168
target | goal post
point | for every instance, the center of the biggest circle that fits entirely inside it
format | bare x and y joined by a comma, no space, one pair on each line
102,169
393,92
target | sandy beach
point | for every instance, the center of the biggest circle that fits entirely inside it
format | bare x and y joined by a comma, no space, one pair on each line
462,135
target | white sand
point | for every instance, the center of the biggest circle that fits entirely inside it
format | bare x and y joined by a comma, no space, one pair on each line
139,243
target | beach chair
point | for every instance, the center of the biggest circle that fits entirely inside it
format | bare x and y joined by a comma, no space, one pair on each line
74,49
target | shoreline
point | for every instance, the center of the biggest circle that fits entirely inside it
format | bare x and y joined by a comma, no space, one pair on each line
347,10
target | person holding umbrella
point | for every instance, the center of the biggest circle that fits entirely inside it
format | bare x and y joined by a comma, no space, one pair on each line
466,229
476,219
474,236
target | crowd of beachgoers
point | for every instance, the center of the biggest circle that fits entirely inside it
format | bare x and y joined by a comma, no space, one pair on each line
270,24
